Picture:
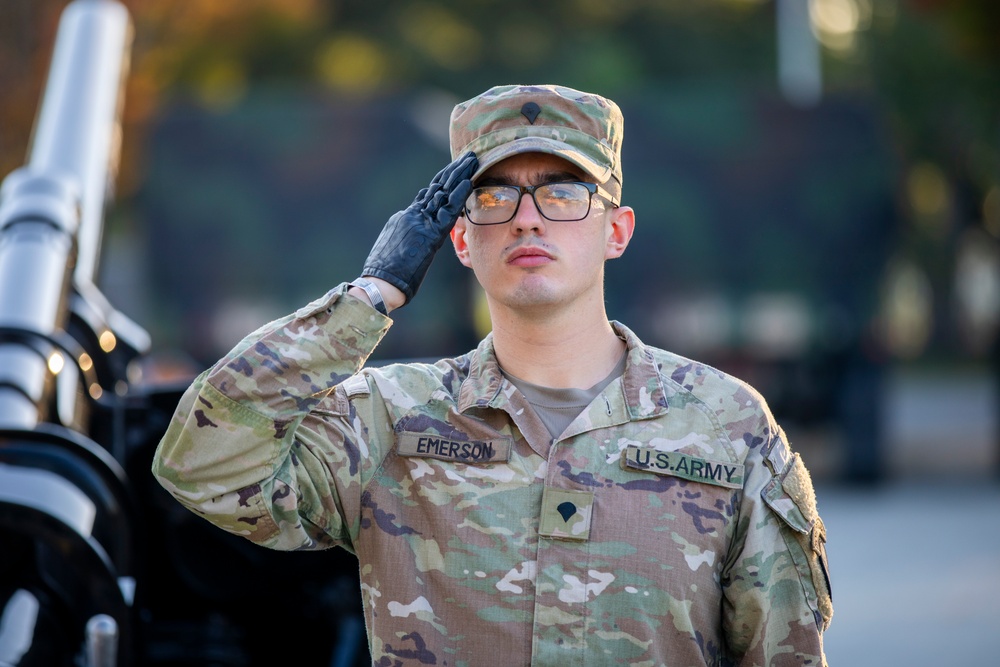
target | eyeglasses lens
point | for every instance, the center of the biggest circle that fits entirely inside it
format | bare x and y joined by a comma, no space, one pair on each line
495,204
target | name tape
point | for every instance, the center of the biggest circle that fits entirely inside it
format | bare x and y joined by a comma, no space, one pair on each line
446,449
684,466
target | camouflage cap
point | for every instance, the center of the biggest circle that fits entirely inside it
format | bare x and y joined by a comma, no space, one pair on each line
583,128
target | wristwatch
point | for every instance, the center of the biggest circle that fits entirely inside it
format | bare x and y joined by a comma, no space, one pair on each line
373,294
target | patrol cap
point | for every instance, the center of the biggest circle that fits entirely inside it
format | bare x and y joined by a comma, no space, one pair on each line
583,128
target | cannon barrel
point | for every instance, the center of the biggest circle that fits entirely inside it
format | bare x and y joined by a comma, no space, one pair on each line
78,130
52,218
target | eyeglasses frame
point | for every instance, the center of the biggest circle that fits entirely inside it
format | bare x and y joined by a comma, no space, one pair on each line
592,188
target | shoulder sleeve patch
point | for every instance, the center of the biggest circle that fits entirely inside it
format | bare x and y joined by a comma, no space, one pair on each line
790,494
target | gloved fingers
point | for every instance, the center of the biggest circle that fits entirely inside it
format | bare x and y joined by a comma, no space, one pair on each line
439,199
427,195
458,164
450,210
446,204
459,170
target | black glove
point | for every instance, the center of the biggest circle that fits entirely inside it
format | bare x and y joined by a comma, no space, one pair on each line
404,250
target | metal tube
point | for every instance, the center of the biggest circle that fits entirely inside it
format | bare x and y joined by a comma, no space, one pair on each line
102,641
78,132
38,216
52,210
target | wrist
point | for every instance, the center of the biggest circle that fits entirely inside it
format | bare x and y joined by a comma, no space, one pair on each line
381,295
391,295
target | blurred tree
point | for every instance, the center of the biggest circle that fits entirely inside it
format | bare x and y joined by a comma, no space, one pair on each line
742,194
931,65
27,30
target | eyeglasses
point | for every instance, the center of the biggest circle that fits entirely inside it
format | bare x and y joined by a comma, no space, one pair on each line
558,202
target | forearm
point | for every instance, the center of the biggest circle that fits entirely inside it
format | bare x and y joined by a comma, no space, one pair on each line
233,430
284,368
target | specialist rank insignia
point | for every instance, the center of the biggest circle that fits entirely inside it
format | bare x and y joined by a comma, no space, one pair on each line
566,514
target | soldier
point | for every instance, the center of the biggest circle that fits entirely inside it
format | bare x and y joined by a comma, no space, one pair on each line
561,495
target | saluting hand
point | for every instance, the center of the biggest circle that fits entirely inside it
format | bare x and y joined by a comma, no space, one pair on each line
404,250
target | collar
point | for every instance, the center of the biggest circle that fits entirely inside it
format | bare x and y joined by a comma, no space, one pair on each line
645,395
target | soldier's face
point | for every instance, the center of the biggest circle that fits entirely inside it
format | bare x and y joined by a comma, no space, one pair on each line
532,262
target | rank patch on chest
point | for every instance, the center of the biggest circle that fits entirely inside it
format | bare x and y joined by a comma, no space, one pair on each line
432,446
566,514
675,464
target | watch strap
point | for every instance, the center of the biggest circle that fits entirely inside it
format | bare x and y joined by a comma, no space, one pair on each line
374,295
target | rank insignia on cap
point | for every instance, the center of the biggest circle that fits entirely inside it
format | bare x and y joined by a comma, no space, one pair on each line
530,110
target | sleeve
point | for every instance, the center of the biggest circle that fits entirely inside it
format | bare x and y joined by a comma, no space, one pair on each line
236,451
777,596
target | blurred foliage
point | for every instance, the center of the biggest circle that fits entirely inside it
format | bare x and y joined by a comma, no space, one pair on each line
931,69
932,63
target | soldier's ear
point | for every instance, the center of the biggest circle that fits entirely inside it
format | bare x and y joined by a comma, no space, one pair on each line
459,240
622,226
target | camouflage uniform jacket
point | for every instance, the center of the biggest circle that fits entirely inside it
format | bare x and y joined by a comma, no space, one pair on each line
670,524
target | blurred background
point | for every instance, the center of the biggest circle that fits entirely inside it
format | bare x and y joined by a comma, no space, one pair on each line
817,189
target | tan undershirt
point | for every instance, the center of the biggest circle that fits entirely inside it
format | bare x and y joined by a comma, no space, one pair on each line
558,407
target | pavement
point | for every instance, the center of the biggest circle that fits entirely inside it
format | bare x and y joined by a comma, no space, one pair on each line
915,561
915,568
